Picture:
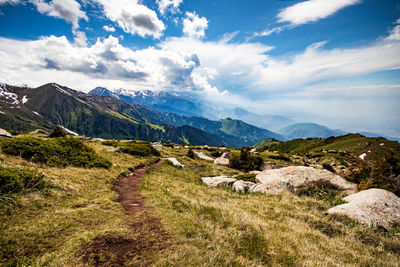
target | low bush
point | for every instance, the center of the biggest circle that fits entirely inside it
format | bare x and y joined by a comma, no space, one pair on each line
136,148
250,177
216,153
62,151
57,132
191,154
245,161
14,180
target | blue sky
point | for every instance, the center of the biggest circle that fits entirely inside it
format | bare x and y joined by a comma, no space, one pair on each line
330,62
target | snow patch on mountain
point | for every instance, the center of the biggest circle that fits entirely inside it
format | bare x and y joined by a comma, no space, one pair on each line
24,99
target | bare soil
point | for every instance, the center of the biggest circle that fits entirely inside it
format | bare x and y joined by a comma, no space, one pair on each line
150,236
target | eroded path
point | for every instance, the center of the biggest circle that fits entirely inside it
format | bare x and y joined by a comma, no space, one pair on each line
150,236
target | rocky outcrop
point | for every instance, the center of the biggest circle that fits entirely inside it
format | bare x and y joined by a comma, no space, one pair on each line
223,160
201,155
218,181
297,179
242,186
176,163
373,207
4,134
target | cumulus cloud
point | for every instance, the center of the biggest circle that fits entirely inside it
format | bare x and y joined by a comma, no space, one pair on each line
69,10
312,10
132,17
194,26
394,33
249,67
108,28
168,5
106,63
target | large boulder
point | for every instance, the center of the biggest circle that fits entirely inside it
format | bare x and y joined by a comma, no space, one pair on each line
218,181
201,155
242,186
373,207
223,160
298,179
176,163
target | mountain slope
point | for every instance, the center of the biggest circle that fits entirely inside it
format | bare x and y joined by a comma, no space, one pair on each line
161,101
52,104
309,130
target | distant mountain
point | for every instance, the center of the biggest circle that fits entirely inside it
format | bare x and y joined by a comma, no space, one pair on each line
235,132
161,101
271,122
309,130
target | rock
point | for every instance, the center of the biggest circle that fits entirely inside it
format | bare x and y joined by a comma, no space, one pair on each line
99,139
271,188
222,148
253,150
218,181
175,162
297,179
223,160
255,172
186,146
117,149
372,207
271,166
201,155
5,134
177,147
157,145
242,186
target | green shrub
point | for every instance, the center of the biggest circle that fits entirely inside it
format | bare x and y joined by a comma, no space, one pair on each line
279,157
62,151
250,177
136,148
139,149
191,154
216,153
246,161
57,132
14,180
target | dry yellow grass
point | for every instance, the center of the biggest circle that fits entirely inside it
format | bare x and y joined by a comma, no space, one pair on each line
207,227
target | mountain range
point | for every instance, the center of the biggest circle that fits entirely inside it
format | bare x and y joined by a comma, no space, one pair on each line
23,108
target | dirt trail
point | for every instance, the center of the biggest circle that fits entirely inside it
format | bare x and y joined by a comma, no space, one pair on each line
150,236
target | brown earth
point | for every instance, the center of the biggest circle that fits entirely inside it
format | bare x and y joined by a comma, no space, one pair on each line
150,236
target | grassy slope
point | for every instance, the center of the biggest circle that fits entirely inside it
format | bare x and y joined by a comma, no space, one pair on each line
49,227
208,227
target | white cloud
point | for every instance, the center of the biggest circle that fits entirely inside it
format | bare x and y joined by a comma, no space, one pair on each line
12,2
108,28
268,32
194,26
106,63
313,10
168,5
69,10
132,17
394,33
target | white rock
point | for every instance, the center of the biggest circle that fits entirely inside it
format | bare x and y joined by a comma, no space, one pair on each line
242,186
372,207
218,181
382,144
254,172
362,156
223,160
270,188
201,155
4,133
117,149
175,162
296,179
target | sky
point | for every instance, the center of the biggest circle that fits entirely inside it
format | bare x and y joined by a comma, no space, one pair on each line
336,63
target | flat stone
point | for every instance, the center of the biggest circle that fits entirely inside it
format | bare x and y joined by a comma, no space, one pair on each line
218,181
201,155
